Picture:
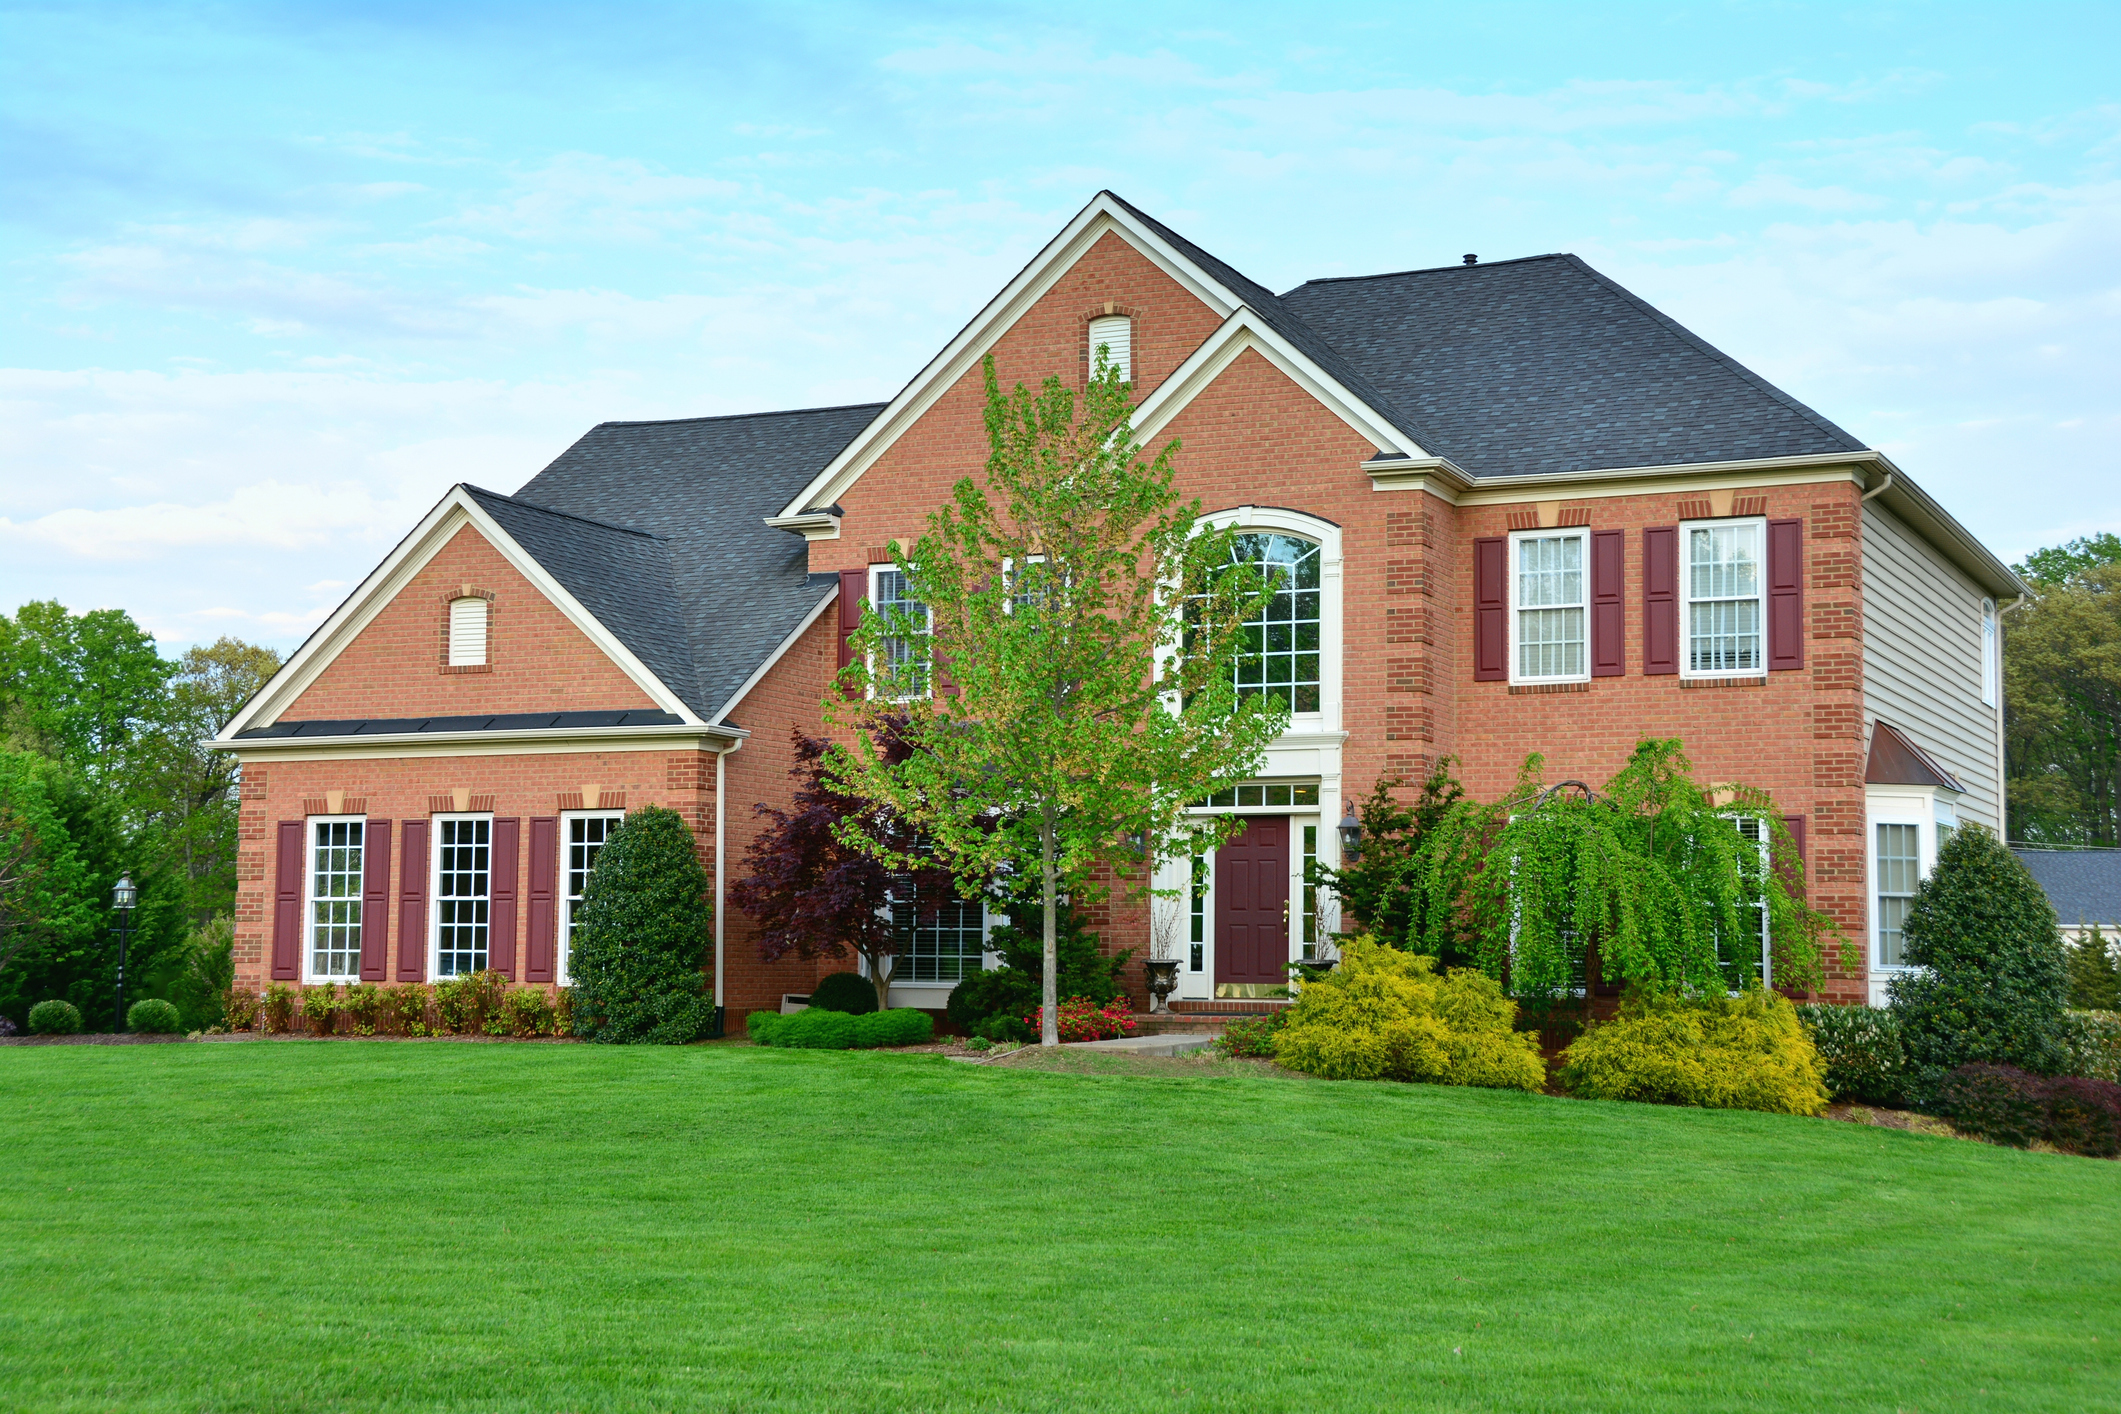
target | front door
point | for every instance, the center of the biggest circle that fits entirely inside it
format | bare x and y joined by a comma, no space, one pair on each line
1252,908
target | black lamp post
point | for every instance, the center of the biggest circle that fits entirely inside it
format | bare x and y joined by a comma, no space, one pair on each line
123,898
1350,836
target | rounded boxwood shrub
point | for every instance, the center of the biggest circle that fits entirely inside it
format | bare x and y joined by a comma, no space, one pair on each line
849,992
54,1018
1859,1048
1988,982
900,1026
153,1017
640,937
1747,1052
816,1030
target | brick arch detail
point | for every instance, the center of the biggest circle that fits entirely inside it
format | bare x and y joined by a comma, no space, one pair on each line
1104,310
450,596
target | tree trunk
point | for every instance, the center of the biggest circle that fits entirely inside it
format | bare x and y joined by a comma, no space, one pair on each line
1049,982
880,970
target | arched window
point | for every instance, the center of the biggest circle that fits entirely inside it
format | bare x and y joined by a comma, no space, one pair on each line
1279,658
467,632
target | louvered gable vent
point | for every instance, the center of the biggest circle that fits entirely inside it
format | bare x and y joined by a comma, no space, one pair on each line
1116,333
467,632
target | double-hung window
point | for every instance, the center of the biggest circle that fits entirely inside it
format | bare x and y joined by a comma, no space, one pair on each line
335,870
1550,622
904,666
941,938
1898,868
463,892
1724,589
582,839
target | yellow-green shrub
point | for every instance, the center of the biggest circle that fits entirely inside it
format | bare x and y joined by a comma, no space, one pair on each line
1385,1015
1748,1052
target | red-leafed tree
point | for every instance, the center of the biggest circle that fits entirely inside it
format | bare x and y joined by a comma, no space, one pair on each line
814,895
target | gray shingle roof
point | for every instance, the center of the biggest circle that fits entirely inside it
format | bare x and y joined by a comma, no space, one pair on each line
728,588
1543,365
2084,885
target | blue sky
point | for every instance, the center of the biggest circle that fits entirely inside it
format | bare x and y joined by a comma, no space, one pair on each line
276,276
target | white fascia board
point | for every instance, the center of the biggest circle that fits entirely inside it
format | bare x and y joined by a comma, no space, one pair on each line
1244,329
972,342
452,513
527,741
816,611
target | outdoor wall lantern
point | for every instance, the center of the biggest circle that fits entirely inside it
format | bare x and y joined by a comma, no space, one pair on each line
1350,836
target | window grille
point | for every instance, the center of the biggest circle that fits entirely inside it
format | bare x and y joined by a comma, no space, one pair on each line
463,891
1552,634
1723,587
941,938
335,900
1899,871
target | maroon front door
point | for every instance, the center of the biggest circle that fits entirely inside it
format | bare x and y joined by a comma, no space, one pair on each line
1252,905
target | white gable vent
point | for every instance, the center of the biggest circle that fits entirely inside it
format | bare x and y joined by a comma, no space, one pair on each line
467,632
1116,333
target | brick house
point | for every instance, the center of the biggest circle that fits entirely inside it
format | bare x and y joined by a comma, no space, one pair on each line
1520,510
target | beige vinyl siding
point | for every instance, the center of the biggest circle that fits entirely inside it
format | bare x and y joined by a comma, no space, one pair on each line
1922,656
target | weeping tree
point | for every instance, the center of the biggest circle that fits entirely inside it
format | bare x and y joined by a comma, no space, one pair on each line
1655,872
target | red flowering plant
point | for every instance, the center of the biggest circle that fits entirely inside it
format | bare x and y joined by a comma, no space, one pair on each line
1083,1020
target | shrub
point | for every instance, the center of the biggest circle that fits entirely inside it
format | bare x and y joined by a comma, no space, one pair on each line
239,1009
979,1043
2001,1103
528,1012
7,1026
844,991
1747,1052
1386,1015
993,1004
205,970
820,1030
1081,1020
464,1004
1859,1049
900,1026
405,1009
154,1017
279,1009
320,1008
563,1011
1252,1035
1988,981
2084,1116
2094,973
54,1018
364,1008
2093,1042
640,937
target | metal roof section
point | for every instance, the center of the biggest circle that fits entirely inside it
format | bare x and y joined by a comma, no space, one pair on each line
1895,760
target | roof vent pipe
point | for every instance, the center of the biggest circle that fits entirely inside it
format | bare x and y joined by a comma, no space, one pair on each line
1472,260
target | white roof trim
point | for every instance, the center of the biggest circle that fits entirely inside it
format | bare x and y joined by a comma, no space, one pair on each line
963,353
359,609
1245,329
816,611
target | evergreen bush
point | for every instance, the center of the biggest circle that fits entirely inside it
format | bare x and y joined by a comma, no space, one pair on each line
529,1012
239,1009
363,1008
1747,1052
1987,980
640,937
994,1004
2001,1103
154,1017
819,1030
320,1009
900,1026
405,1009
204,970
2093,1041
54,1018
278,1009
2094,974
1860,1050
1385,1015
844,991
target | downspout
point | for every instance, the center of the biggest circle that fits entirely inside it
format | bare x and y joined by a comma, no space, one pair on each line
721,855
1877,490
2003,809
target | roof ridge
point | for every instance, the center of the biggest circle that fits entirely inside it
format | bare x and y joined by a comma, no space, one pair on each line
564,515
1426,270
737,416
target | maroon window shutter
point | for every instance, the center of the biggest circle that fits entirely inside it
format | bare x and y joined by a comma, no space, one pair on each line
854,588
1609,631
288,869
1491,608
412,903
375,900
501,911
1660,599
1795,825
544,901
1785,577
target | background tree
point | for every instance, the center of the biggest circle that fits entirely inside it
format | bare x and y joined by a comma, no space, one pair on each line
2062,693
640,936
1089,625
814,893
86,689
2094,973
192,804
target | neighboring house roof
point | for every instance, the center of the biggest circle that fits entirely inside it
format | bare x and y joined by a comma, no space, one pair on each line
1895,760
2084,885
682,504
1543,365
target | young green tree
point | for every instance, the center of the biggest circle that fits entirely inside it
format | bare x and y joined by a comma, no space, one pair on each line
640,936
1381,889
87,689
1063,661
190,802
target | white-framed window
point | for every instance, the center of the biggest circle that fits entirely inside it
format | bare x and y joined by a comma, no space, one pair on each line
467,632
941,939
1896,866
905,658
332,951
1115,334
1278,651
1723,582
1197,914
1307,928
582,836
1991,660
463,892
1550,620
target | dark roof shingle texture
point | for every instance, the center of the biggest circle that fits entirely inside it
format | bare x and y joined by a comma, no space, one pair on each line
2084,885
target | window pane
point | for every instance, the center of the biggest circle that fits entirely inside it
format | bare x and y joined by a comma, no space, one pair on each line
1551,623
335,899
1278,654
905,658
1723,594
1899,866
585,841
941,938
462,895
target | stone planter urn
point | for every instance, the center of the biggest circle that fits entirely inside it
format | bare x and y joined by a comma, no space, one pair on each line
1163,981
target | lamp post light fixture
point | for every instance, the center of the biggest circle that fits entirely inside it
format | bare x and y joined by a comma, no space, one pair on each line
1350,836
122,898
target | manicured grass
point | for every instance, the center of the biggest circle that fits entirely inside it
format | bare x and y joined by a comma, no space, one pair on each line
340,1225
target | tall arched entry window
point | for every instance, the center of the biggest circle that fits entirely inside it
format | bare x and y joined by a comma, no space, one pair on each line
1280,659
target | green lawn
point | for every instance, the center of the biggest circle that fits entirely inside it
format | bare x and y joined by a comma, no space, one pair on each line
319,1225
